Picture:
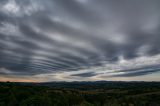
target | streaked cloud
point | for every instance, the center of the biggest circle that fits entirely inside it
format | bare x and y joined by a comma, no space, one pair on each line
79,39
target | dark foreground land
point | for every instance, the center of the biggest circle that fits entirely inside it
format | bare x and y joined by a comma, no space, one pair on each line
99,93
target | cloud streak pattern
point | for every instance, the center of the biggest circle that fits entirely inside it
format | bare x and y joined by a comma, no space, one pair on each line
79,39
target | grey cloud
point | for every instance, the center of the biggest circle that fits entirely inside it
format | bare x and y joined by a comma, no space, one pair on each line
63,36
89,74
137,71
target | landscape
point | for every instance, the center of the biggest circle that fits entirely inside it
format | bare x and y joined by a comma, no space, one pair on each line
99,93
79,52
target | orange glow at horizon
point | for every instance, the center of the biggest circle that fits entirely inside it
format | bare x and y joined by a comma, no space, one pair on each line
3,79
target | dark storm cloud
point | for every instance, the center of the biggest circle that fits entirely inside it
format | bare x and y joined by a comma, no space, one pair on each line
59,36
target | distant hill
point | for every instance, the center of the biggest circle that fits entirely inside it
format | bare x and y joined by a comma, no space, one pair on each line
93,84
98,93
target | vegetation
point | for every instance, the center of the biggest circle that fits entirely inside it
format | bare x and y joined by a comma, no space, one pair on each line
80,94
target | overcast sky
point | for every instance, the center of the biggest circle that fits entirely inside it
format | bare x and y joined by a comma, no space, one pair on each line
79,40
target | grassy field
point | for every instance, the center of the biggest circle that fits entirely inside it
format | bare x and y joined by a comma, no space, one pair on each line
80,94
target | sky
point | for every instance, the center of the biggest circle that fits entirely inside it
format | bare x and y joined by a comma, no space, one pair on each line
79,40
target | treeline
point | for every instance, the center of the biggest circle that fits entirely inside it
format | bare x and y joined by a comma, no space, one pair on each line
13,94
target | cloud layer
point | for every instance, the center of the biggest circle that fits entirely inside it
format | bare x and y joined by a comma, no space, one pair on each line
79,39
